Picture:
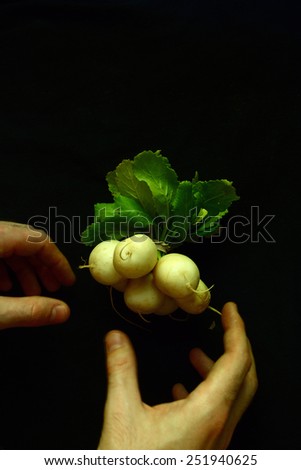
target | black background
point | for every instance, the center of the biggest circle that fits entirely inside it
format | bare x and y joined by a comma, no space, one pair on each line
214,85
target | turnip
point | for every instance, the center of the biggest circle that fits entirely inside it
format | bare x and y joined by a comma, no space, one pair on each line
196,302
101,263
142,296
135,256
176,275
120,285
168,306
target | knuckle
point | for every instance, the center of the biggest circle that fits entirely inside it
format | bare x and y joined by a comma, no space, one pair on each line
35,235
118,362
38,314
246,357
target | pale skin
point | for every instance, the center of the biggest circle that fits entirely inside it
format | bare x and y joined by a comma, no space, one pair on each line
203,419
35,261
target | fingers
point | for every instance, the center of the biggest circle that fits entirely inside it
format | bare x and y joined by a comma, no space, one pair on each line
123,414
201,362
236,360
243,400
5,281
226,376
246,392
31,311
25,275
179,392
23,241
19,239
122,371
51,257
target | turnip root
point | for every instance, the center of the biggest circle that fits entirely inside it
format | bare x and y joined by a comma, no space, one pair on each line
135,257
196,302
176,275
142,296
101,263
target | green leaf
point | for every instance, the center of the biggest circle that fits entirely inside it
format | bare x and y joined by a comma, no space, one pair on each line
123,206
209,224
215,195
147,196
127,204
128,207
184,199
123,181
103,210
100,231
116,220
155,170
115,227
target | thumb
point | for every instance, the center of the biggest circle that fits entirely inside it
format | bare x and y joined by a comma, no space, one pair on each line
31,311
123,398
123,385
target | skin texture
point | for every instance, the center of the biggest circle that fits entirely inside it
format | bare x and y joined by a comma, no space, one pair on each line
35,261
203,419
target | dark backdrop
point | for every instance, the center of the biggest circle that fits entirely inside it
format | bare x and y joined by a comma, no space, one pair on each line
214,85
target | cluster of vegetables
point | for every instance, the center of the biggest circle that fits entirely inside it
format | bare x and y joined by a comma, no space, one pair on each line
142,262
150,282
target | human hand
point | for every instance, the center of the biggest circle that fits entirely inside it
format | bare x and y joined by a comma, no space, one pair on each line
35,260
203,419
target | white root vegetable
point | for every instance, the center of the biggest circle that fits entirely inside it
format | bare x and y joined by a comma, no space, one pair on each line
169,306
101,263
135,256
176,275
198,301
120,285
142,296
131,266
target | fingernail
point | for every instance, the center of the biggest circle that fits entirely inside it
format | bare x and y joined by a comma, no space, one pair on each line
114,340
59,313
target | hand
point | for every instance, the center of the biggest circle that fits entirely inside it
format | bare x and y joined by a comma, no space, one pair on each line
34,259
203,419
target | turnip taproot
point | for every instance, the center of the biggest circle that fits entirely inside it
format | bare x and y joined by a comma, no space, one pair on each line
176,275
142,296
135,256
196,302
101,263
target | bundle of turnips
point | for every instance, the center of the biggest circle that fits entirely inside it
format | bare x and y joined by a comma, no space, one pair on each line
150,282
135,237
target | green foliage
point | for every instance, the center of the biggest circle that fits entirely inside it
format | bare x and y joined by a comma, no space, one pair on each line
149,198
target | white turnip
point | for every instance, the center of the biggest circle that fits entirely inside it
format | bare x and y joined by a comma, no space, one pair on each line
142,296
135,256
101,263
196,302
176,275
168,306
120,285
